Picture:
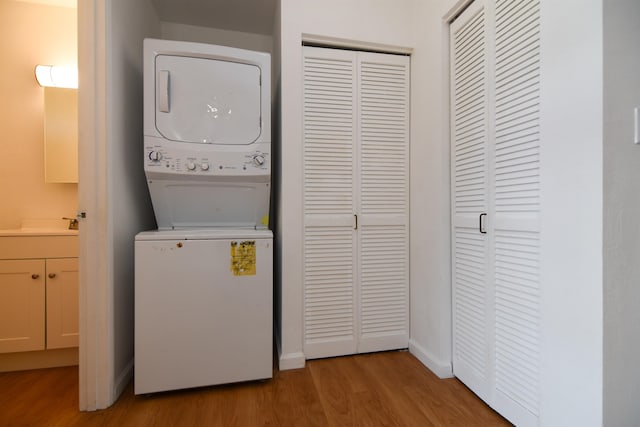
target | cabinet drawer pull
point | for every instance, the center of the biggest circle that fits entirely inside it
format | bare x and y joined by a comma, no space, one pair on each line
35,276
52,275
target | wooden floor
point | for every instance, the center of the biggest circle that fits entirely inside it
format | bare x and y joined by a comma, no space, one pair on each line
381,389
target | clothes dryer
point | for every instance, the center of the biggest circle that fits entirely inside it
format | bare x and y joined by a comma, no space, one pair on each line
207,134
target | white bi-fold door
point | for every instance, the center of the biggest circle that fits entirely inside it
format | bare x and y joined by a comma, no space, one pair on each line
495,90
356,201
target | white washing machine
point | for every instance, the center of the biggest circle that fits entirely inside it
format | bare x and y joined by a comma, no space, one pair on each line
203,308
203,280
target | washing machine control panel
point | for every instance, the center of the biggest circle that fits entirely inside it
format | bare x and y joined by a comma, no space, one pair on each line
161,157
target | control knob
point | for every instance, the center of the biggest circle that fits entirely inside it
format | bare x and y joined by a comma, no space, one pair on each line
155,156
204,166
258,160
191,166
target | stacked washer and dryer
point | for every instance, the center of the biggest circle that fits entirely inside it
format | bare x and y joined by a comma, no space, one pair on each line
203,280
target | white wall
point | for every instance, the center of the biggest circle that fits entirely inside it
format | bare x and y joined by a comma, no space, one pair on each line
129,204
621,213
571,215
431,338
237,39
383,25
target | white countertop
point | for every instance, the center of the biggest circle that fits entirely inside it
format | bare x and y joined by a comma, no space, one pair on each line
38,232
40,227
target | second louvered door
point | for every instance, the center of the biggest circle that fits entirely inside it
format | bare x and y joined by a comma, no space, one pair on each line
470,199
383,201
495,91
356,242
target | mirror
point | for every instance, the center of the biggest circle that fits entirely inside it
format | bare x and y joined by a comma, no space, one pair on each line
60,135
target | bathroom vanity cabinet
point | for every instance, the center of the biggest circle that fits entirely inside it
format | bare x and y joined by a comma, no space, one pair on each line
38,293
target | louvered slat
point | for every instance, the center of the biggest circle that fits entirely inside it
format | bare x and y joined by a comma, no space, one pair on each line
470,301
517,317
383,137
517,145
329,297
328,136
469,118
383,272
517,202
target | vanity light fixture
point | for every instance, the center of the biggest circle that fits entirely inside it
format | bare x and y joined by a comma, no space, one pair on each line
56,76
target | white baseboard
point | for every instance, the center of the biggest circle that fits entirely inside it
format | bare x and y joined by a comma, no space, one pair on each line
441,369
122,380
289,360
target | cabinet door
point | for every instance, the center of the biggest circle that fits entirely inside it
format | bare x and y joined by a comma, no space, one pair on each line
22,295
62,303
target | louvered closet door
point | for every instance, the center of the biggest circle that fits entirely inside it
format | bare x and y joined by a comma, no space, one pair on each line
517,210
470,199
329,134
383,201
496,275
355,201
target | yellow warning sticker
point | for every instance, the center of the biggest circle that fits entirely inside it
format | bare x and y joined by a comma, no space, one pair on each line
243,258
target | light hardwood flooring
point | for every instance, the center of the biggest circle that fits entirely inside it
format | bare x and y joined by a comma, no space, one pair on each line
379,389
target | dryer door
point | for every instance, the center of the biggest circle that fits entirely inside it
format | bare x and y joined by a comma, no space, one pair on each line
207,101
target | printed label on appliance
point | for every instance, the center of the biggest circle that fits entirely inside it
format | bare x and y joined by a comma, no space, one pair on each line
243,258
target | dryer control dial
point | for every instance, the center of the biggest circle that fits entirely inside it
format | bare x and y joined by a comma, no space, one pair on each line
204,166
155,156
191,166
258,160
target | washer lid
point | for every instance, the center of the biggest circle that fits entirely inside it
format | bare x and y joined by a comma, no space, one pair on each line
207,101
204,234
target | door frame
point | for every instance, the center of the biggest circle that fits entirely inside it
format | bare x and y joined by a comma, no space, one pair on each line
96,308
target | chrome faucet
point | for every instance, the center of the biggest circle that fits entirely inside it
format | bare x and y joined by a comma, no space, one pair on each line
73,223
